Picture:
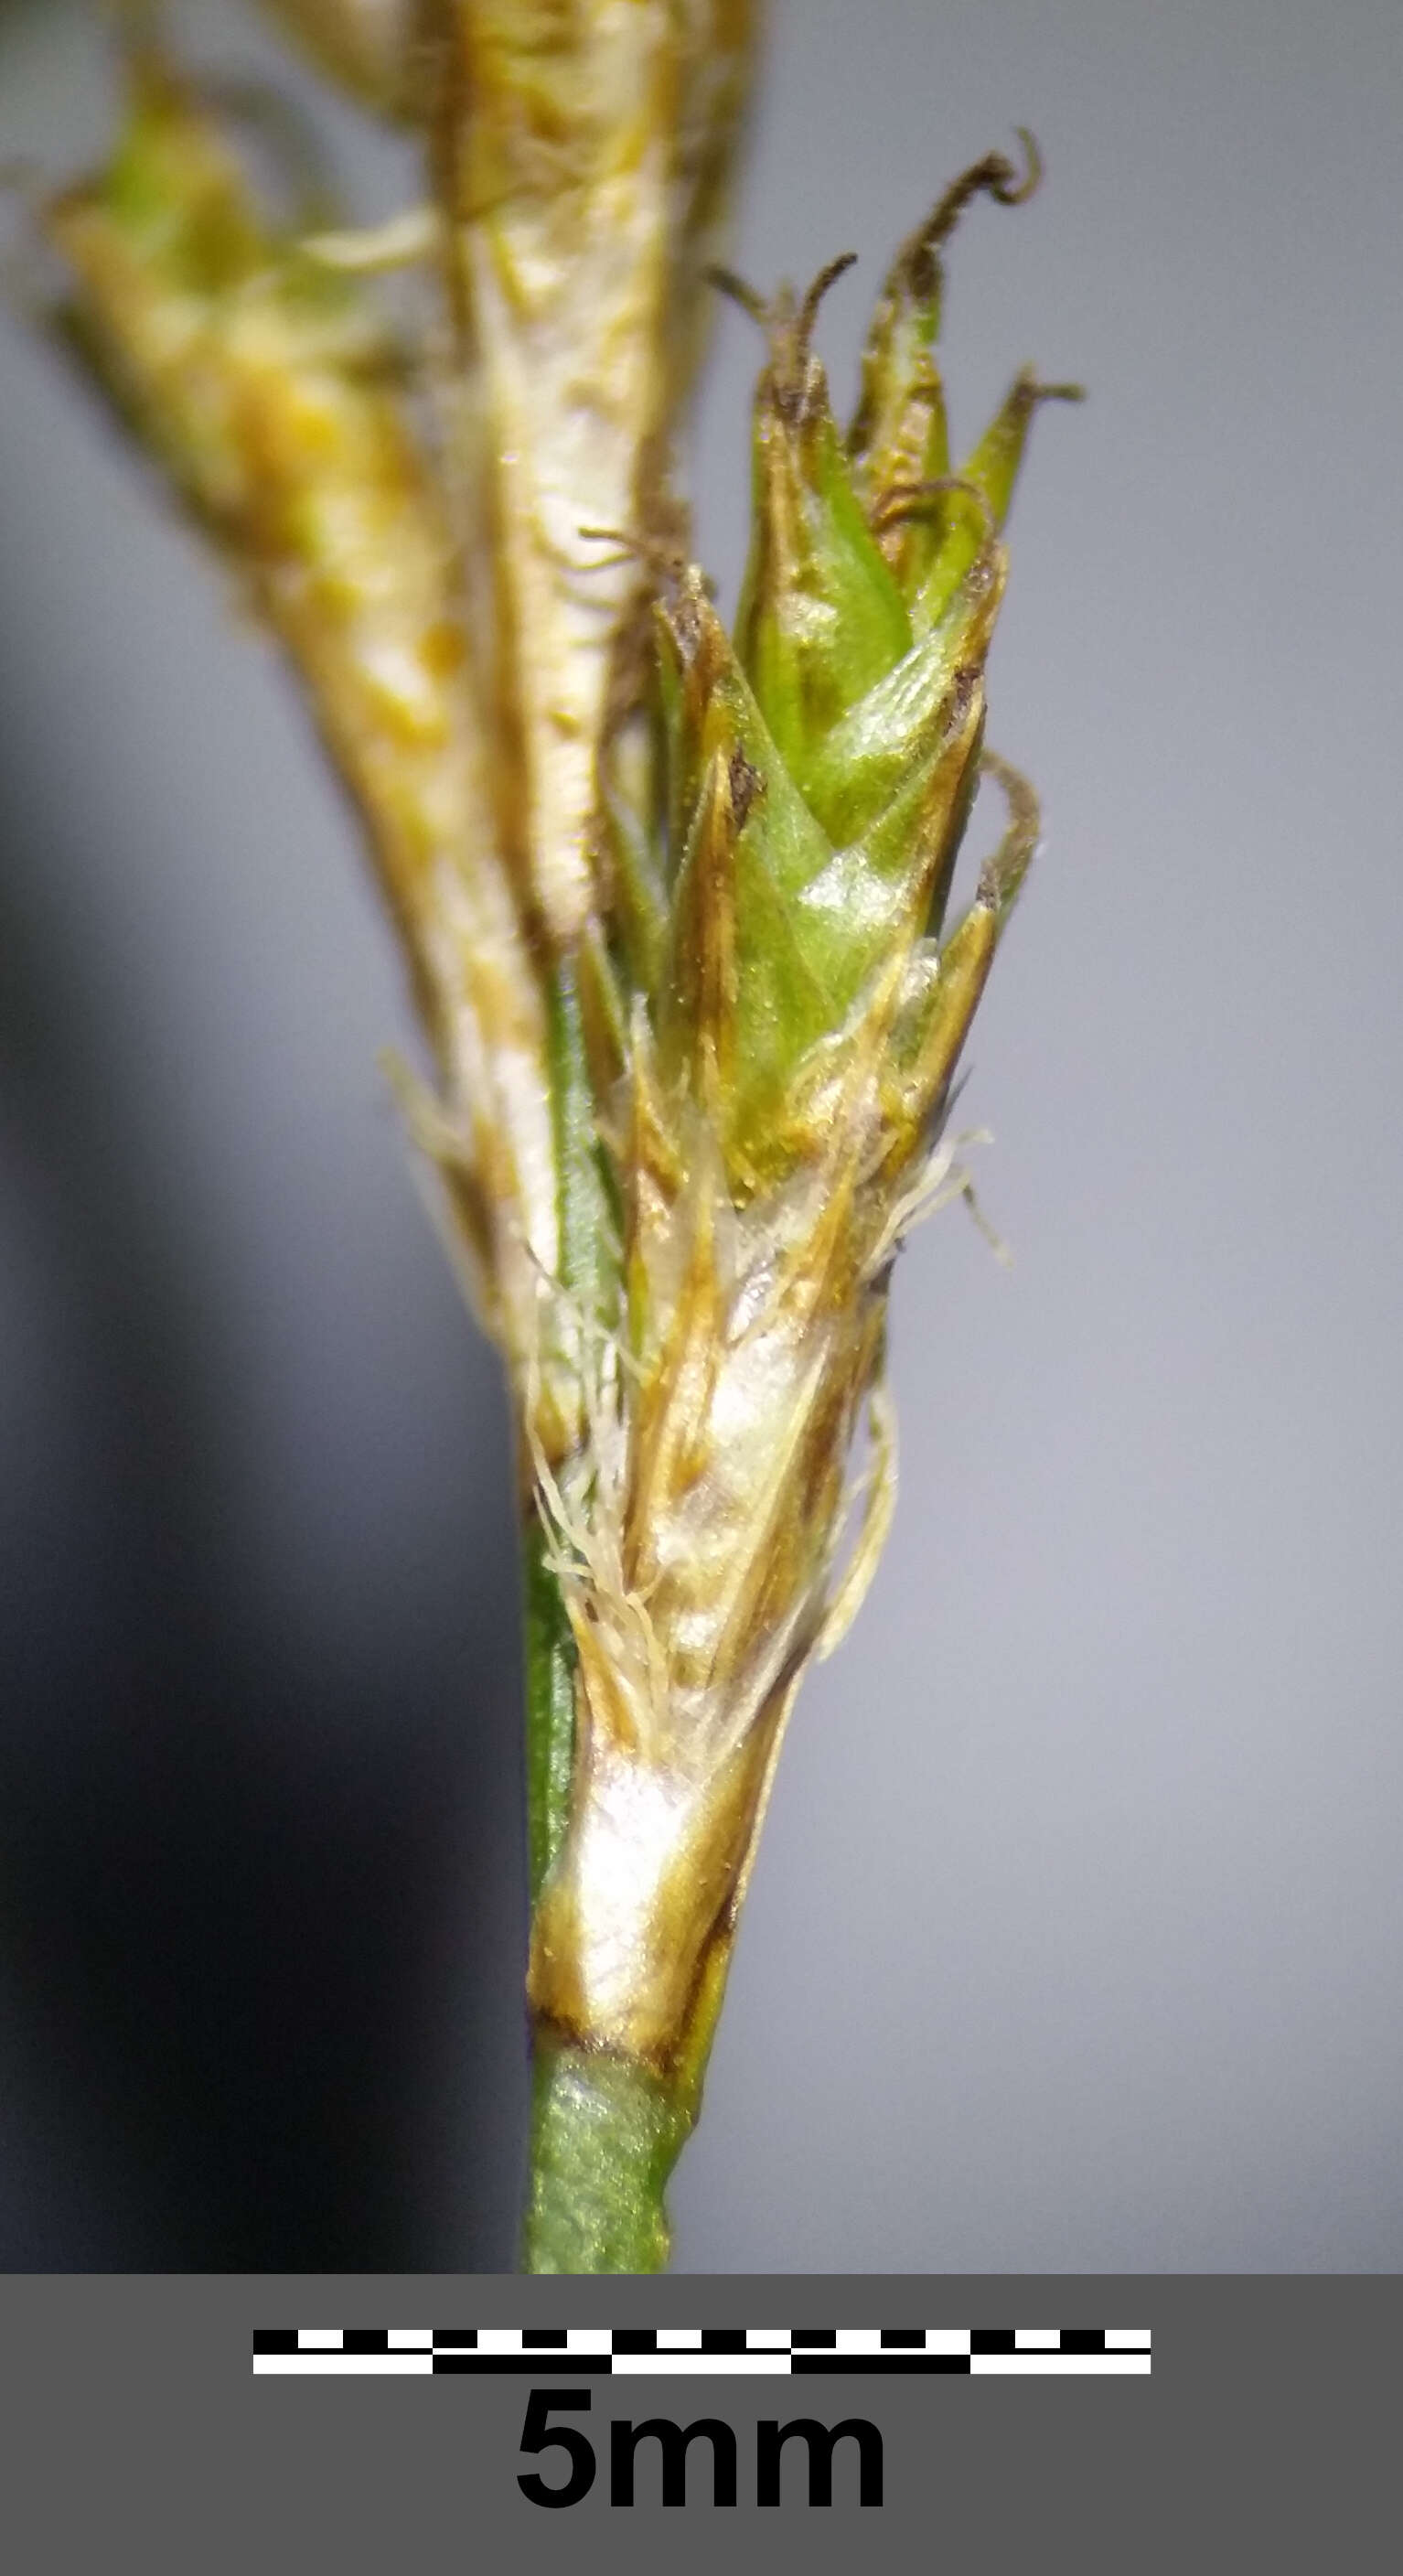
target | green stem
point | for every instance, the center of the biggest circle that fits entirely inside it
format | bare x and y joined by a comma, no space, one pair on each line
588,1265
605,2135
597,2147
550,1702
589,1241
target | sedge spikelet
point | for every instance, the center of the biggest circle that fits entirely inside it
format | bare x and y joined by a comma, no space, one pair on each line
779,1125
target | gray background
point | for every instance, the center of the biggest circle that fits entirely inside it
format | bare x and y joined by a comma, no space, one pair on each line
1083,1868
1268,2423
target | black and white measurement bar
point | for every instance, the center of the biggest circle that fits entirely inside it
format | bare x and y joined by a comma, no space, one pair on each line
693,2351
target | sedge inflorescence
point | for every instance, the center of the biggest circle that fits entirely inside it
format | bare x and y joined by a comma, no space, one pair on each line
674,901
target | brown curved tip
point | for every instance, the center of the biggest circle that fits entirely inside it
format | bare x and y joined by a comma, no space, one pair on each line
994,176
808,310
738,291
